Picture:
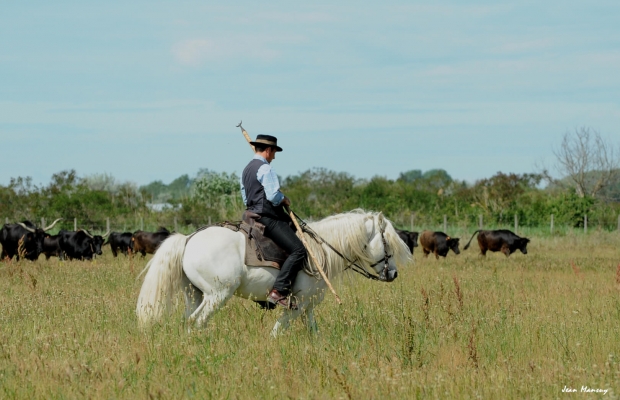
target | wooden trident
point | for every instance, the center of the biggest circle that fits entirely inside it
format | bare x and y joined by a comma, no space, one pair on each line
301,235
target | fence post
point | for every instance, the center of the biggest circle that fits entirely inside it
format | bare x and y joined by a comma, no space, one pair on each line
585,223
209,220
480,221
6,220
516,223
412,217
552,224
141,223
176,228
42,222
75,224
107,224
445,223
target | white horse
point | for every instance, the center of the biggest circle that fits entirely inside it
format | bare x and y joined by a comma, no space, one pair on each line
210,268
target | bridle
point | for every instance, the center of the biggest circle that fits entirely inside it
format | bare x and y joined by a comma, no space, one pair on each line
352,264
387,257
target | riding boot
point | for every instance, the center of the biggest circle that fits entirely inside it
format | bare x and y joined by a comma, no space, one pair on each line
278,299
283,236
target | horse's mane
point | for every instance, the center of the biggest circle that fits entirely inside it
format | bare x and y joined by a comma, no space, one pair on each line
346,232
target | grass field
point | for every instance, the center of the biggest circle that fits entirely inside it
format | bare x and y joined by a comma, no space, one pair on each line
465,327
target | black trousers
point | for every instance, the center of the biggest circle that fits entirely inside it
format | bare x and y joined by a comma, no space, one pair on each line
281,233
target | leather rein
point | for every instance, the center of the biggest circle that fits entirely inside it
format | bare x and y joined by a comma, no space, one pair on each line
352,264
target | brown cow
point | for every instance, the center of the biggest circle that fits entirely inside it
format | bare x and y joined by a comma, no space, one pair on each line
438,243
499,240
148,242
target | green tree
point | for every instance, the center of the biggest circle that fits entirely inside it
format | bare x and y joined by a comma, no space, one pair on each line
410,176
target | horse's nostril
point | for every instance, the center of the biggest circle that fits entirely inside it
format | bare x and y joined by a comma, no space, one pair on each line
390,275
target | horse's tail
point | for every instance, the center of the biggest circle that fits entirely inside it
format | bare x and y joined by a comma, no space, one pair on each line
472,236
164,275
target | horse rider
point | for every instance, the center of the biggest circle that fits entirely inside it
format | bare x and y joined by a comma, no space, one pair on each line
260,190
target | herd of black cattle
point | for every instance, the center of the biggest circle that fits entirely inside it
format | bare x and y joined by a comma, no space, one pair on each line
25,240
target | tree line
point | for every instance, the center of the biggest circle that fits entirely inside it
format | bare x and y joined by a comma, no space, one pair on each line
315,193
584,189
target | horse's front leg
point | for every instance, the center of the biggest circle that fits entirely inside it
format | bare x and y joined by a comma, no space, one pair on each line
284,321
306,308
310,321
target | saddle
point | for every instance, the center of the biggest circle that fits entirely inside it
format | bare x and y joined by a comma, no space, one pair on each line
260,251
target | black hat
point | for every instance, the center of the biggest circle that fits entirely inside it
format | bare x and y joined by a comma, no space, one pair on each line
267,140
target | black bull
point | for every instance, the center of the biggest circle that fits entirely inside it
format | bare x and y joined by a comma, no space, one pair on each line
51,246
120,242
410,238
80,245
499,240
23,239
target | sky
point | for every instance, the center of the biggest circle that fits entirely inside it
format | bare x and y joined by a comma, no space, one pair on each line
152,90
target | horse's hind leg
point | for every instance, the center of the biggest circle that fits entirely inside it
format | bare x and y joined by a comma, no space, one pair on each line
193,297
202,300
198,306
210,304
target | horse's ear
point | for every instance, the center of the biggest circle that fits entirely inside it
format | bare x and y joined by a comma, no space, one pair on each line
381,219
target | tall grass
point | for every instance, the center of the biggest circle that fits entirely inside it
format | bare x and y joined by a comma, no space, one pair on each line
460,327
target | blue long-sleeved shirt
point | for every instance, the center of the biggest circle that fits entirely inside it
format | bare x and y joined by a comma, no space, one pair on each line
269,179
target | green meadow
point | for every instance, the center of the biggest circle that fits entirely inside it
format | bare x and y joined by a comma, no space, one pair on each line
527,326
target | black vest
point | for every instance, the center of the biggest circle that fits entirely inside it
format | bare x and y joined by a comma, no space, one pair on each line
256,200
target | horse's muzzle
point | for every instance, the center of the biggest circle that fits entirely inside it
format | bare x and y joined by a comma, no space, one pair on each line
389,275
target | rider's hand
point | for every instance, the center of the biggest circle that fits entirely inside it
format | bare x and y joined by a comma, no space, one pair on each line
286,202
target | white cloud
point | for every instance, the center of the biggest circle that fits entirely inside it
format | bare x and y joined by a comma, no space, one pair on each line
197,52
193,52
